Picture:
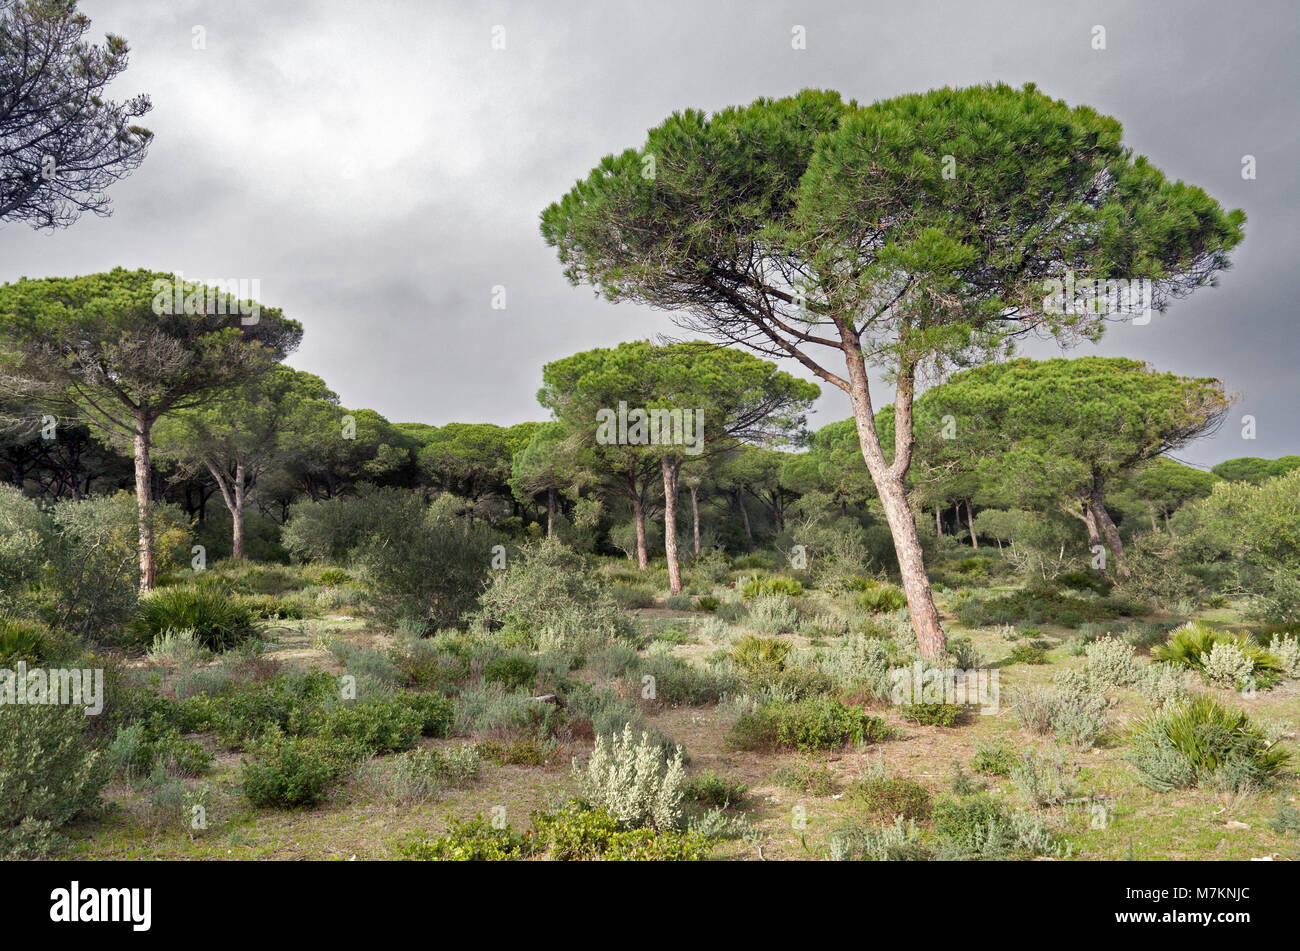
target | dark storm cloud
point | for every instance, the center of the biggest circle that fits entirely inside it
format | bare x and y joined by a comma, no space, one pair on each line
379,168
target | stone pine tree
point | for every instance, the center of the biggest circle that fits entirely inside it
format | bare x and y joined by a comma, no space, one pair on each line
1060,432
240,433
910,235
693,395
62,142
122,349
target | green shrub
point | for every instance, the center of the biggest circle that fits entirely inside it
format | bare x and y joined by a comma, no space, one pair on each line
1033,653
630,596
376,726
294,772
676,681
330,577
770,585
1194,644
475,840
424,568
24,639
713,791
434,713
92,571
993,757
614,661
889,796
576,614
808,777
271,607
679,602
882,599
1198,741
707,602
806,725
968,822
217,619
48,776
932,714
512,671
578,832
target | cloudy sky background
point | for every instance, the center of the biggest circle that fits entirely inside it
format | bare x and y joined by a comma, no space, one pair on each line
378,167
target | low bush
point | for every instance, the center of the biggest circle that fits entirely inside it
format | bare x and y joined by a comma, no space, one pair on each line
218,619
1031,653
1196,741
713,791
932,714
632,779
24,639
808,776
772,614
1194,644
422,774
772,584
578,832
48,776
993,757
513,671
473,840
288,772
890,796
899,842
806,725
881,599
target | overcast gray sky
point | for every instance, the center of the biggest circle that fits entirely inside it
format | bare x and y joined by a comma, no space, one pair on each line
379,167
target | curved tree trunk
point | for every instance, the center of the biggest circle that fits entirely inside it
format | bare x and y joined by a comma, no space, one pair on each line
744,514
1108,530
670,470
144,504
970,523
930,637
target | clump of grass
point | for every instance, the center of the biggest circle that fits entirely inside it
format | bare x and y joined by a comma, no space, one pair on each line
807,776
218,619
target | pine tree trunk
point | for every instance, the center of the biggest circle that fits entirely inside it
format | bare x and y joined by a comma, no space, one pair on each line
970,523
670,469
638,510
938,521
144,504
237,516
930,637
550,513
695,515
1109,531
744,514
